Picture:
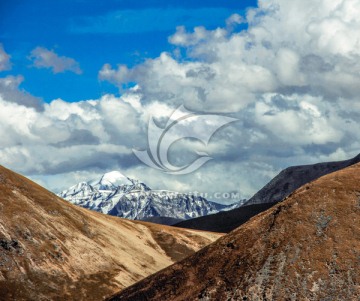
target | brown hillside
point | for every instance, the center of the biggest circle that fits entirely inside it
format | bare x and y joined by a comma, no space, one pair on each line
53,250
304,248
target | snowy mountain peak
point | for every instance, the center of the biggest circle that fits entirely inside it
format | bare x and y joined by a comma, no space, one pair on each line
111,180
116,194
114,176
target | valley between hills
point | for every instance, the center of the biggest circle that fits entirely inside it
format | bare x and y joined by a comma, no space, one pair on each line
302,244
53,250
306,247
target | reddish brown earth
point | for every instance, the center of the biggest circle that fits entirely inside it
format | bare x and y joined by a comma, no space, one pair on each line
53,250
304,248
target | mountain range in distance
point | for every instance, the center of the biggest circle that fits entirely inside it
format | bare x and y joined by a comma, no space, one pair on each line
306,247
280,187
117,195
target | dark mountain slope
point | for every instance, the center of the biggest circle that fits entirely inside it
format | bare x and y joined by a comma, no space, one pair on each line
276,190
304,248
226,221
294,177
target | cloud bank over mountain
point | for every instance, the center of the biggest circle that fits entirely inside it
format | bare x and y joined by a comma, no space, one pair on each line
291,78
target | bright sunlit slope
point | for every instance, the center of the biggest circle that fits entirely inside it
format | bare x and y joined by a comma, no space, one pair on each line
53,250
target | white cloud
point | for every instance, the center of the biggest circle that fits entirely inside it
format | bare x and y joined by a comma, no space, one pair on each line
69,137
291,78
234,19
4,59
304,123
297,44
45,58
182,38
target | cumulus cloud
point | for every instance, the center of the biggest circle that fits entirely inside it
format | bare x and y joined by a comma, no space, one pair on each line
291,78
4,59
85,138
66,136
288,46
45,58
234,19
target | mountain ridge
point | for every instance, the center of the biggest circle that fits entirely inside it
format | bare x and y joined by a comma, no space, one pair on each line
281,186
121,196
304,248
51,249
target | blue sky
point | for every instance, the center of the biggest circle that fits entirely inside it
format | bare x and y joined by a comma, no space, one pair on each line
80,80
94,33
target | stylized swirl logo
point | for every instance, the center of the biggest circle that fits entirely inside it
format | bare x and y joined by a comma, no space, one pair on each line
181,124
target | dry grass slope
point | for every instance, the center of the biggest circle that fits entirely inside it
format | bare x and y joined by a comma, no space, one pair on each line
53,250
304,248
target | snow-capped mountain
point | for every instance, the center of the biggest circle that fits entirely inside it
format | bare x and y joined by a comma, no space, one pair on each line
118,195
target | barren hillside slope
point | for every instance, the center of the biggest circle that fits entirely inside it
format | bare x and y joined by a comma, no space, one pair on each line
53,250
304,248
